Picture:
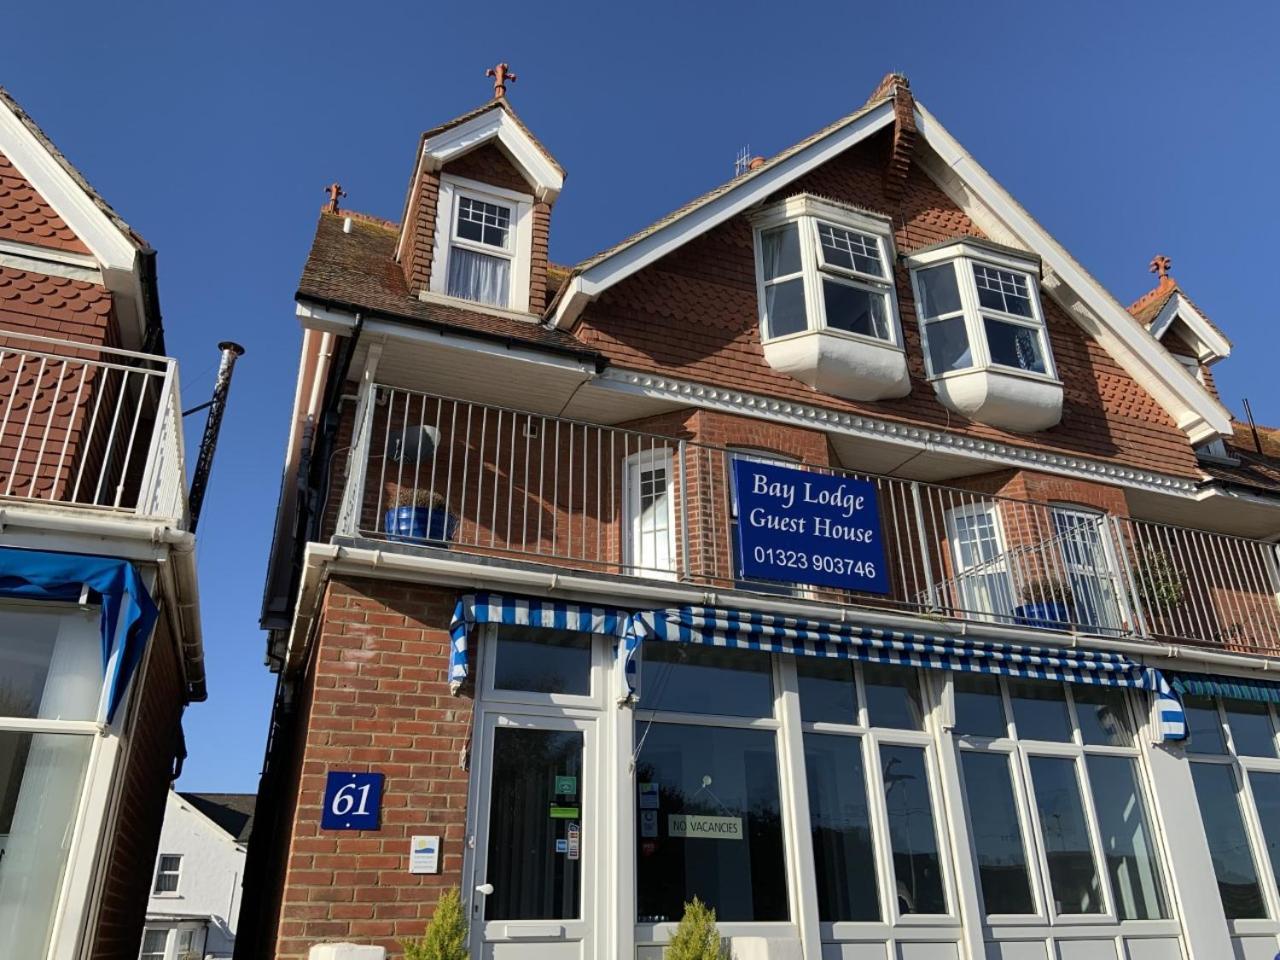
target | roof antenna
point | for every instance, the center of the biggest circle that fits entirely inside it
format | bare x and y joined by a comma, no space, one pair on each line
1253,427
742,162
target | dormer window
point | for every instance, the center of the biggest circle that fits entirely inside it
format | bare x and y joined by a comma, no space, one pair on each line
983,333
483,244
828,315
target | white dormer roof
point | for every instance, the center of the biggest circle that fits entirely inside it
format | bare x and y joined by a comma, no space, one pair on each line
1206,339
497,124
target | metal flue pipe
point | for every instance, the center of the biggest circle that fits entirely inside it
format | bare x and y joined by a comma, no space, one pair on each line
208,443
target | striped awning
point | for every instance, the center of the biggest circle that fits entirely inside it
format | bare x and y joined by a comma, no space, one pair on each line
1230,688
773,633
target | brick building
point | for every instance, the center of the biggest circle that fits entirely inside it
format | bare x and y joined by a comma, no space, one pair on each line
835,550
100,644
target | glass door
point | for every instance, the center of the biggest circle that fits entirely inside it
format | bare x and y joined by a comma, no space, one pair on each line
650,522
534,881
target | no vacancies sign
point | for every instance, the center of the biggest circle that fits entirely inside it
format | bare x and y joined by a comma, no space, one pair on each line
801,527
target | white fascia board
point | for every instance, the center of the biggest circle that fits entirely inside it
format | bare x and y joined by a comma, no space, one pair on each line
52,263
341,323
496,124
112,248
1191,405
1213,346
206,823
596,279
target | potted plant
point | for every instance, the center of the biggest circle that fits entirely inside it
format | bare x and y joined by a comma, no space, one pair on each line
1047,602
417,514
1159,582
696,936
446,936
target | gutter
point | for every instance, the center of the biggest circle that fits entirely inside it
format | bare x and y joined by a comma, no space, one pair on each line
177,570
153,337
324,560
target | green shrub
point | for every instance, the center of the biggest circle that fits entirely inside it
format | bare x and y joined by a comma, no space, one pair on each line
446,937
696,936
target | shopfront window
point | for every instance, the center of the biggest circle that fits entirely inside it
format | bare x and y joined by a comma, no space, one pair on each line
1055,802
535,660
1234,764
50,673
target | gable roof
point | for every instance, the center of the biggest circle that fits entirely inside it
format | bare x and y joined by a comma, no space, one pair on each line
1195,410
233,812
1158,309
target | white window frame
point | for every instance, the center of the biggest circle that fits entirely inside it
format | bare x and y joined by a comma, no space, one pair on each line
807,213
634,540
1021,751
1242,768
169,943
489,666
962,577
155,878
1115,614
520,240
964,257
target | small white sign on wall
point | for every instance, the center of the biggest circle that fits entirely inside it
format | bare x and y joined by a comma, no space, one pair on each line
424,855
691,826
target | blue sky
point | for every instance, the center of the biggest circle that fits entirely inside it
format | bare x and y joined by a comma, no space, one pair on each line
1126,129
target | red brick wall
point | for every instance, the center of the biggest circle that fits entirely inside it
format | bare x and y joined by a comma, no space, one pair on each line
381,702
420,220
130,852
693,314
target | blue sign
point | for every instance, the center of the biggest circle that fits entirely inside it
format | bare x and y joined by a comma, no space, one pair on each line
800,527
352,801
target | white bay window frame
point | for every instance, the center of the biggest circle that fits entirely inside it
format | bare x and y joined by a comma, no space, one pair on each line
518,251
852,364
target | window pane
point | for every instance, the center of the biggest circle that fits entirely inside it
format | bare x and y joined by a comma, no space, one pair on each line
1204,726
1073,874
716,832
939,293
1266,797
843,856
784,307
1040,710
530,880
687,678
917,867
1233,864
855,310
482,222
154,944
41,779
997,835
542,661
1003,290
827,690
50,665
780,251
1250,725
979,707
850,249
1104,715
1127,843
1013,345
893,696
479,277
947,342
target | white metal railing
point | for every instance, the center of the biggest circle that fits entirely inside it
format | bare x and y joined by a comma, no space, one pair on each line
90,426
436,471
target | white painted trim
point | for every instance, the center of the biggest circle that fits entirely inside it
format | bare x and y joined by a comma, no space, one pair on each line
496,124
520,254
750,190
747,404
53,263
1192,407
109,244
1213,346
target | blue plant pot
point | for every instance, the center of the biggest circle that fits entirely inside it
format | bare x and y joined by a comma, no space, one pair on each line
420,523
1048,616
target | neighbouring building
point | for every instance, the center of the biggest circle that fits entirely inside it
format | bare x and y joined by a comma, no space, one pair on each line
835,549
100,644
195,891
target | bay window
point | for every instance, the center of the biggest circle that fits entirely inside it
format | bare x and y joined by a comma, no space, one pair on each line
828,310
983,334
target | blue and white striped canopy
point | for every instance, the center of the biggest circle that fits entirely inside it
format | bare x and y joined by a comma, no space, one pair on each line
773,633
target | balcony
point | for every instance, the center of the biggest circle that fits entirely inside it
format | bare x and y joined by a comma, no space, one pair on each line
91,427
428,471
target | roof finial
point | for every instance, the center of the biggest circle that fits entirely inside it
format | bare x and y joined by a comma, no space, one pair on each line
1160,265
501,76
335,192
